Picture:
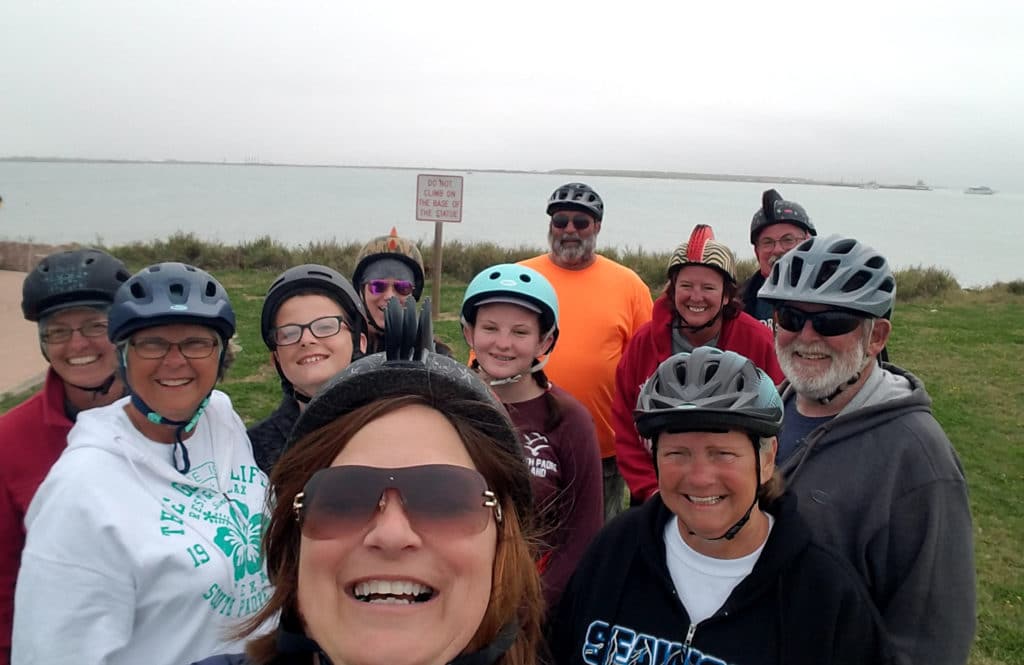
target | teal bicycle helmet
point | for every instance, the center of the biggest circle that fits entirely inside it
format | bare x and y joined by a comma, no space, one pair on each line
516,284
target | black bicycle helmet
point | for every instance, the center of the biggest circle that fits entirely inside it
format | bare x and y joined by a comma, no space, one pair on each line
409,366
836,271
167,293
316,278
72,278
708,389
390,247
775,210
576,196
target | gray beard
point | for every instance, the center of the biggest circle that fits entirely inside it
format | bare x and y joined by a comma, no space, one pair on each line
821,386
574,254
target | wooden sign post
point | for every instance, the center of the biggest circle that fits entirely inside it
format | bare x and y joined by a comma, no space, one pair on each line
438,200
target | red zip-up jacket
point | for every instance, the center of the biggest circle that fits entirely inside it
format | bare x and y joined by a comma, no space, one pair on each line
32,437
651,345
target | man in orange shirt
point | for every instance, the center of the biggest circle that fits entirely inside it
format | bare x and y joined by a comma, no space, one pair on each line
602,304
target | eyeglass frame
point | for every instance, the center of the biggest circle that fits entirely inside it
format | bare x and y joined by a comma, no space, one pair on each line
303,327
215,343
47,335
782,242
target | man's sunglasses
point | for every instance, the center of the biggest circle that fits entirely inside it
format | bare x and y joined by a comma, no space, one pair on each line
579,222
829,323
440,500
401,286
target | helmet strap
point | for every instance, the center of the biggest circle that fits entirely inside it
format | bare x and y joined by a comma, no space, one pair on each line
182,427
735,528
97,390
538,365
842,387
687,327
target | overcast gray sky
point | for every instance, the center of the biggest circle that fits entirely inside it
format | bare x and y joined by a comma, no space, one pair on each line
891,91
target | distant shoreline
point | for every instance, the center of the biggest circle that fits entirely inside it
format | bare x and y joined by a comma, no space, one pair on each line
614,173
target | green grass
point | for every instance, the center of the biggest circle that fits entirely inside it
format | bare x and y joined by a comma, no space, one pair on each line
966,347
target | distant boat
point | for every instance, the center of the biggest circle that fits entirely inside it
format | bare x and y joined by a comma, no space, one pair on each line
869,185
979,190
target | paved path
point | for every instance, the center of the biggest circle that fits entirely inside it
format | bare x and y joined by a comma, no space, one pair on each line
21,364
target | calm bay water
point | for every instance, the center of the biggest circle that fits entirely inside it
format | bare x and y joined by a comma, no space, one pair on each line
978,238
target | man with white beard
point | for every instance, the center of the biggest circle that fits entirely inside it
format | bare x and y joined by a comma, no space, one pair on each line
874,474
601,305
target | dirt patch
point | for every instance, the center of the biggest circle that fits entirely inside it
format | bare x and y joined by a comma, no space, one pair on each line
23,256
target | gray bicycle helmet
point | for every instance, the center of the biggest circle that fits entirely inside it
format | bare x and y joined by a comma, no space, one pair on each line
409,366
73,278
316,278
164,294
708,389
576,196
167,293
836,271
775,210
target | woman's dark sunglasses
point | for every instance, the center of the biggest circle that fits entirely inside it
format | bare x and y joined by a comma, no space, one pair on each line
291,333
441,500
829,323
579,222
401,286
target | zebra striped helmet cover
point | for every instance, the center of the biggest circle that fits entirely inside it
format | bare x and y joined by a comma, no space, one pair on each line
702,249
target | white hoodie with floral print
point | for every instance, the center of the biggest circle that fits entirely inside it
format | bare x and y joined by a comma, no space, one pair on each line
129,561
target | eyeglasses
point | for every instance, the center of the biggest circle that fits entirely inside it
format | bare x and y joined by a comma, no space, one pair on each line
194,348
579,222
788,241
61,334
325,326
440,500
402,287
829,323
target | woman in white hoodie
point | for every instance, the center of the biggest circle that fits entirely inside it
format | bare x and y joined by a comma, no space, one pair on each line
144,541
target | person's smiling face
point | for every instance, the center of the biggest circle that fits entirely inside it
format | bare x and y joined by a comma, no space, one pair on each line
312,360
387,593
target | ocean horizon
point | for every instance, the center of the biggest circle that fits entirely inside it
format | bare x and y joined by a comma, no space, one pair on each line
123,202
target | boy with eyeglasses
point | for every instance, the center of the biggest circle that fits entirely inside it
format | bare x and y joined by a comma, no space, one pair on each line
602,304
874,474
314,325
777,227
68,295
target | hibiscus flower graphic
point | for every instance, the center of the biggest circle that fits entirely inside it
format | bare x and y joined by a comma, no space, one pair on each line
240,540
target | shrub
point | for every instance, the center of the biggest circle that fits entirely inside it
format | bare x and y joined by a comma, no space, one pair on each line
920,282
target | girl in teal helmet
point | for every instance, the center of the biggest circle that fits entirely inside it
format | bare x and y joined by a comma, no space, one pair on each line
510,321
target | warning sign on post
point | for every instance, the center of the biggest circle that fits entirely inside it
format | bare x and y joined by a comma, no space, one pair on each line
438,198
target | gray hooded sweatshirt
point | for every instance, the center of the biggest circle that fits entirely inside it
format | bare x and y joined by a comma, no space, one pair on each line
882,484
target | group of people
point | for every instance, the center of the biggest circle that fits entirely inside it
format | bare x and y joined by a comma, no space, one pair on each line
399,506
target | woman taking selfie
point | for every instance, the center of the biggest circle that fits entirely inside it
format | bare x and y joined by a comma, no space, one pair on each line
402,513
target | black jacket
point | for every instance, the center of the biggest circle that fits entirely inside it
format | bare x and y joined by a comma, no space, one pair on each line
268,436
761,310
801,604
